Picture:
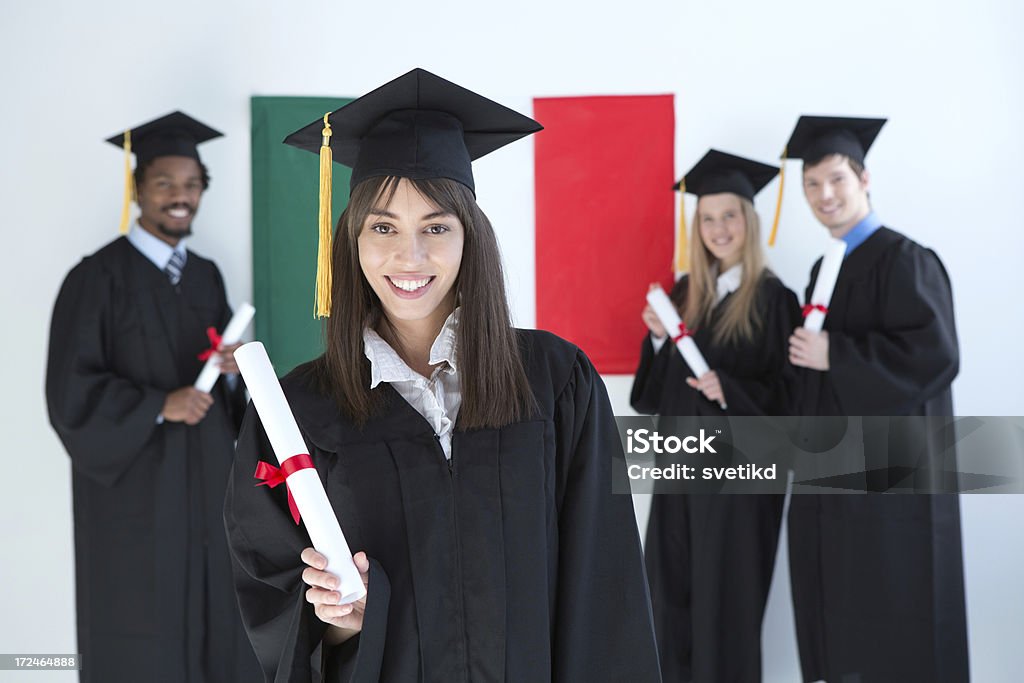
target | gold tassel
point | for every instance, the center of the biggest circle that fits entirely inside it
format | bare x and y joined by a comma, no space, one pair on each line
682,263
323,258
778,203
129,183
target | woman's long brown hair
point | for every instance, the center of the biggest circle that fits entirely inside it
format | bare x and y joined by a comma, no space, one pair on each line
495,391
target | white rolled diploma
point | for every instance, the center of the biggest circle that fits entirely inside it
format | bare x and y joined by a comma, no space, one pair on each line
669,317
825,284
304,485
232,333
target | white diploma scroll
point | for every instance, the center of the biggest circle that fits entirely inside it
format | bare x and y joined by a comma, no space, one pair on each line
232,333
821,297
304,485
669,317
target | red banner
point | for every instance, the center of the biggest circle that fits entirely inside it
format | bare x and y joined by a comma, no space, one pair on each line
605,219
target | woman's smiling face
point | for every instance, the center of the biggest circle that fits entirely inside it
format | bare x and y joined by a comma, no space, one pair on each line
723,228
410,252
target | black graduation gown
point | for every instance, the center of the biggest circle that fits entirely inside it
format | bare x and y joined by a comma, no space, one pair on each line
153,577
514,562
710,557
877,580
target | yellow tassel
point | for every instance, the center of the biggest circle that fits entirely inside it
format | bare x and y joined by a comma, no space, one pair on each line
682,261
778,203
323,259
129,183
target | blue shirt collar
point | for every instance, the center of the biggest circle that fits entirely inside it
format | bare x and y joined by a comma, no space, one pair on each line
859,233
154,248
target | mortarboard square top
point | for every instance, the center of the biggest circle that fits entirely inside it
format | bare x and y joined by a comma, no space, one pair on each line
417,126
816,137
722,172
175,134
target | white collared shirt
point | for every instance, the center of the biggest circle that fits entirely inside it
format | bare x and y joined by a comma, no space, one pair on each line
437,399
154,248
725,284
728,282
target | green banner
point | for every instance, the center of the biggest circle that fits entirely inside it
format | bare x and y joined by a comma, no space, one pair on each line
285,188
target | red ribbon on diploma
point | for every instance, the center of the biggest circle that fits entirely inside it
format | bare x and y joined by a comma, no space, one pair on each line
809,308
211,334
272,476
683,332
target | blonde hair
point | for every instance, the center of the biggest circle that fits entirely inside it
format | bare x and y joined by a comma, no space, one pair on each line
739,320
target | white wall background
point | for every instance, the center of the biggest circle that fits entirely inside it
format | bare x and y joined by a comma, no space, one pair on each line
946,171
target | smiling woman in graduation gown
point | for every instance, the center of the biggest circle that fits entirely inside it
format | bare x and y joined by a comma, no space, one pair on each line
710,557
497,551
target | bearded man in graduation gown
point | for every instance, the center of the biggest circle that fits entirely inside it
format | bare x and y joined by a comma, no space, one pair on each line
877,579
149,453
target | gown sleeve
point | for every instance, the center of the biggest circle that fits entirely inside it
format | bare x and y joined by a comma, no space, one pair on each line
103,419
912,355
649,381
770,392
603,628
234,385
266,546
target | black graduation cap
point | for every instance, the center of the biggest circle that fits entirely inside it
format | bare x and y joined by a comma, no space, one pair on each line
716,172
720,171
416,126
175,134
815,137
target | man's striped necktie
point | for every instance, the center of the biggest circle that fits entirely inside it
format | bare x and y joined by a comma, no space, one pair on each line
174,267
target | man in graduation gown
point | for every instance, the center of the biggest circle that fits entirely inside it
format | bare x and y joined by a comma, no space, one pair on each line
150,454
877,579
